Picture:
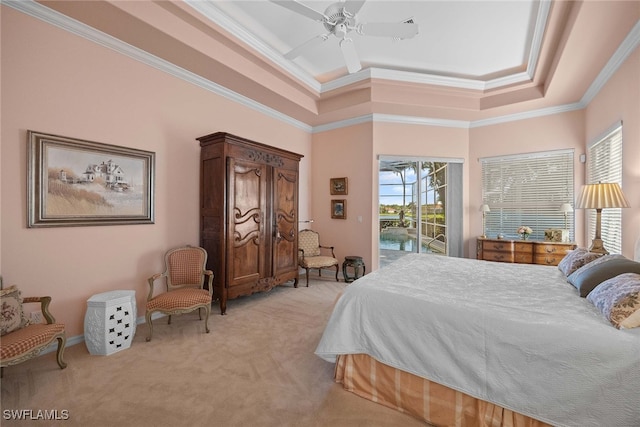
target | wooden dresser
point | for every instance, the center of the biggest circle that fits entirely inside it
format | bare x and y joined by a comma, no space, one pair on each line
523,251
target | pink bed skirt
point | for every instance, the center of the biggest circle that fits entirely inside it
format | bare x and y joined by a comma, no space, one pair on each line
421,398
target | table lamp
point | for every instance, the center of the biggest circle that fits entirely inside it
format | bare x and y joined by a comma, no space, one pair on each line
484,209
566,208
601,196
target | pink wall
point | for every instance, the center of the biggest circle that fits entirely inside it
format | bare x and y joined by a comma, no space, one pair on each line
345,152
55,82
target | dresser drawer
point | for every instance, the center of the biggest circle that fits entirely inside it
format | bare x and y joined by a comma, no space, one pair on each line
553,248
523,257
504,256
548,259
497,246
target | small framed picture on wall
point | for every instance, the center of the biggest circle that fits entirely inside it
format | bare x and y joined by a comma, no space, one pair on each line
338,186
339,209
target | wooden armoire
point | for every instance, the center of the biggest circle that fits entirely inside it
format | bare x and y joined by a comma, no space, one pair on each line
248,215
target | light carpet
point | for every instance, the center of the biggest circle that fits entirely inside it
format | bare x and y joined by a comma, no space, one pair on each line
255,368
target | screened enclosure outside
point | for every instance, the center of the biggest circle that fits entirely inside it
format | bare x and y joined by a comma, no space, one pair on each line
413,206
528,190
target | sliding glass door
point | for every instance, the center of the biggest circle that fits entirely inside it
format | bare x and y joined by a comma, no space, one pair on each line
415,201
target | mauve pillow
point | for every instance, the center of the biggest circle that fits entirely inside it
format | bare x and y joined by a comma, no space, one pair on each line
618,299
586,278
576,259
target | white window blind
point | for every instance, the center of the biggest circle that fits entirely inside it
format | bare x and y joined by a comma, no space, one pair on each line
528,190
605,165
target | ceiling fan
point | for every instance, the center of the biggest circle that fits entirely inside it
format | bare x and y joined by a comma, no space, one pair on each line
339,19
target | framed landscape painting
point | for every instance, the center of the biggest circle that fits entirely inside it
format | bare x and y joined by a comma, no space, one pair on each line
73,182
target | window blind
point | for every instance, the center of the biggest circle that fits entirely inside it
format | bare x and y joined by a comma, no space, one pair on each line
528,190
605,165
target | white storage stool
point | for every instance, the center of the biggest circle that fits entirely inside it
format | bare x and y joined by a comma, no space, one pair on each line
110,322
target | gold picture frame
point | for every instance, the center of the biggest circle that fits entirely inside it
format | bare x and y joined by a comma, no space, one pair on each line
339,209
338,186
73,182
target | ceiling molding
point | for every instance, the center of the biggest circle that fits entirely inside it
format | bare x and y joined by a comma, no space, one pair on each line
36,10
210,11
628,45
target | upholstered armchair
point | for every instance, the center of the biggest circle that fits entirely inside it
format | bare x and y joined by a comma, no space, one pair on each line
310,253
185,276
22,340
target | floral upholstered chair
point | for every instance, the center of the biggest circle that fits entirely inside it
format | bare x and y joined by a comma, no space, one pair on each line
311,253
185,273
22,340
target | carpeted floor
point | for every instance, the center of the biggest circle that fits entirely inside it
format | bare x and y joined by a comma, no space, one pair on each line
255,368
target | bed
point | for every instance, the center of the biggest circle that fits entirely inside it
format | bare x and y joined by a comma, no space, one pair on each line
458,341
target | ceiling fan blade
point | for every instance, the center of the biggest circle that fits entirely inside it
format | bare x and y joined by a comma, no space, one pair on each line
301,9
354,6
399,30
350,55
296,51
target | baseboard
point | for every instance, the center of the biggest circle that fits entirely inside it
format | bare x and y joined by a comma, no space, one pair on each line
78,339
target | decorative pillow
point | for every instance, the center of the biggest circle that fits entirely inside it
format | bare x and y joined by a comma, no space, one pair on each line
576,259
586,278
619,300
11,314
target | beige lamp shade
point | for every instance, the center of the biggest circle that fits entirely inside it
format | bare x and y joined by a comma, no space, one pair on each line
485,208
601,196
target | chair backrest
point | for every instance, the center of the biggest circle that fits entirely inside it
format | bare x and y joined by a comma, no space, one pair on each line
309,242
185,266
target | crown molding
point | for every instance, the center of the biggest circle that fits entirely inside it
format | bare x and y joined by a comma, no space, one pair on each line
36,10
71,25
210,11
213,13
628,45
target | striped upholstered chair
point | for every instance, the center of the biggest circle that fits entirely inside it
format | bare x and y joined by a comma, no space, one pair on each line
311,253
185,273
22,340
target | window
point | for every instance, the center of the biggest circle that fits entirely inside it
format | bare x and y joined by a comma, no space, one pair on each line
528,189
605,165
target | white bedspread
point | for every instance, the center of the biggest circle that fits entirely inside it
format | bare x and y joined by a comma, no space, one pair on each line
516,335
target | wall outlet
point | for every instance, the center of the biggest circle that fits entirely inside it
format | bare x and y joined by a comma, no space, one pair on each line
36,317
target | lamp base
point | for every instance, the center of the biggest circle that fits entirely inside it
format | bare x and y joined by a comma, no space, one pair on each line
597,246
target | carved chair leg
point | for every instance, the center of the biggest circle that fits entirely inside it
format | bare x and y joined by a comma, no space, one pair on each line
337,267
307,277
207,311
200,313
169,321
60,353
149,324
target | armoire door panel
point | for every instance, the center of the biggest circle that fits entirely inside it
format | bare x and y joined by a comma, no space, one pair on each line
285,197
246,226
